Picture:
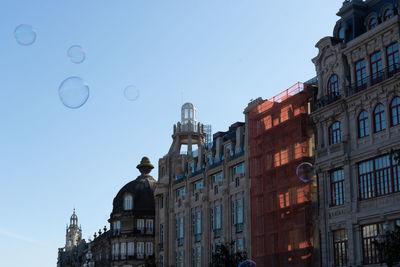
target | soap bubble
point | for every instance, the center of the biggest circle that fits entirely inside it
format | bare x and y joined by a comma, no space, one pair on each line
305,172
73,92
247,263
131,93
76,54
24,34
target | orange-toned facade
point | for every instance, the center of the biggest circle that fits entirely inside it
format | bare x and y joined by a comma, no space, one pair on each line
280,138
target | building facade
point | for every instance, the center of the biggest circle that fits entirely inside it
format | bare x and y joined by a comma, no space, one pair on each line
132,221
356,119
202,195
280,139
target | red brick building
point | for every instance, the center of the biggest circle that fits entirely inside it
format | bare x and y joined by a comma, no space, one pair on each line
279,139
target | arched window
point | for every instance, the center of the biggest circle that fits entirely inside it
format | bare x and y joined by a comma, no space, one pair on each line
379,118
335,133
363,124
372,23
395,111
342,33
388,14
333,86
128,202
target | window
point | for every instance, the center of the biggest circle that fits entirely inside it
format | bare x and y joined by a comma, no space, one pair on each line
240,245
180,233
196,259
140,224
372,23
131,249
284,200
335,133
392,53
149,226
238,170
180,192
379,118
361,74
388,14
149,248
179,258
218,217
161,236
128,202
161,260
342,33
140,250
378,176
376,67
340,252
209,159
363,124
123,250
116,227
369,234
198,185
217,177
333,86
395,111
161,202
337,188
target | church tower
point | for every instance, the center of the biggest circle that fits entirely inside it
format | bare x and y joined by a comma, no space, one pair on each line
73,233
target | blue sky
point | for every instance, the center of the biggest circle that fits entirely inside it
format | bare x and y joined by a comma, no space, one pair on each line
218,54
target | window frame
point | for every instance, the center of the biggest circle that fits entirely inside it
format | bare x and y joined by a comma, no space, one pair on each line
338,191
376,67
386,16
128,199
363,131
333,86
372,23
392,56
360,68
396,109
340,249
372,250
379,118
335,134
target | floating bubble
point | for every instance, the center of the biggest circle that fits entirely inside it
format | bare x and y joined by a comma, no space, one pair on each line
305,171
73,92
25,34
76,54
131,93
247,263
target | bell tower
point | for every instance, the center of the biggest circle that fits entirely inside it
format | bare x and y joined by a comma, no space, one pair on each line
73,233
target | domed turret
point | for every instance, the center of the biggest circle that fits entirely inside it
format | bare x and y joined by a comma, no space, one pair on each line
188,114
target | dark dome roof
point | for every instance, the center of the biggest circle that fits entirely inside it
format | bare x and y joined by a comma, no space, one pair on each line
142,191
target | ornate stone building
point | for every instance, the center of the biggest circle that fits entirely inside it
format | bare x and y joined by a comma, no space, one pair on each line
356,118
132,221
202,195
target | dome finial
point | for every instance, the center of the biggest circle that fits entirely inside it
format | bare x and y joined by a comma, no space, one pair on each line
145,166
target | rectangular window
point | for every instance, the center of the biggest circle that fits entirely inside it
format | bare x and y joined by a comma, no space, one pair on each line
217,177
337,188
180,192
376,67
161,202
149,248
284,200
149,226
238,170
116,227
123,251
218,217
369,234
198,222
239,211
377,177
361,75
197,186
161,260
140,250
181,222
161,234
340,252
131,249
240,245
140,224
392,53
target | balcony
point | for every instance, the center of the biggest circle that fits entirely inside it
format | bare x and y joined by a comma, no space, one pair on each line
326,100
373,79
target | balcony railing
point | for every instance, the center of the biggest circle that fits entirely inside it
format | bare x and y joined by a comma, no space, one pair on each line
373,79
359,86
